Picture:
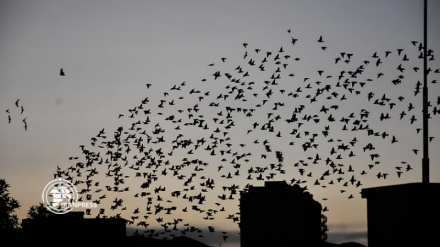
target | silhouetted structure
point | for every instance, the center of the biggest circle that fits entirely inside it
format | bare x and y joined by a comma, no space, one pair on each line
181,241
403,215
279,215
73,227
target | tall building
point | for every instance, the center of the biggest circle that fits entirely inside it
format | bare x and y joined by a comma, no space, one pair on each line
279,215
403,215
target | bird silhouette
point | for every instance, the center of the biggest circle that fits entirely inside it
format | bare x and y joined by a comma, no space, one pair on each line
25,124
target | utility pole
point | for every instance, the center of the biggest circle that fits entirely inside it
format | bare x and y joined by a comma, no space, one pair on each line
425,159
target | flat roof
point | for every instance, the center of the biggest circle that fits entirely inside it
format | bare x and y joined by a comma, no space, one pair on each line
411,187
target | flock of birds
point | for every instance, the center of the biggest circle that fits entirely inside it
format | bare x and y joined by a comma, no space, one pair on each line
184,156
13,112
17,110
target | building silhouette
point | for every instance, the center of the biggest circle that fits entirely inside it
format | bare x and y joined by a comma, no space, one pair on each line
279,215
403,215
73,228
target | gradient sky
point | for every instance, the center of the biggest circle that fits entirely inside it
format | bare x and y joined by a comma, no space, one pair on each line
110,50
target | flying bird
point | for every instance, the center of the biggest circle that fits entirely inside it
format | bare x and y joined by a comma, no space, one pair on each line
25,124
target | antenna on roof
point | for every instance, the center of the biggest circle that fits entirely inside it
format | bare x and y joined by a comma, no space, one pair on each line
425,159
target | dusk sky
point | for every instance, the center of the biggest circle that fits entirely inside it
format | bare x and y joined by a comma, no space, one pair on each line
123,61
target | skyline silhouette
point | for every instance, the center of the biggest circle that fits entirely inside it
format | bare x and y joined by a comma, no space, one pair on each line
306,226
174,145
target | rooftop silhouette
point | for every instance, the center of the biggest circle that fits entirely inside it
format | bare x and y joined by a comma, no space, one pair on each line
279,215
403,214
73,227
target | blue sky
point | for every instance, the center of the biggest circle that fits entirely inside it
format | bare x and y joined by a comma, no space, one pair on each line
110,50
